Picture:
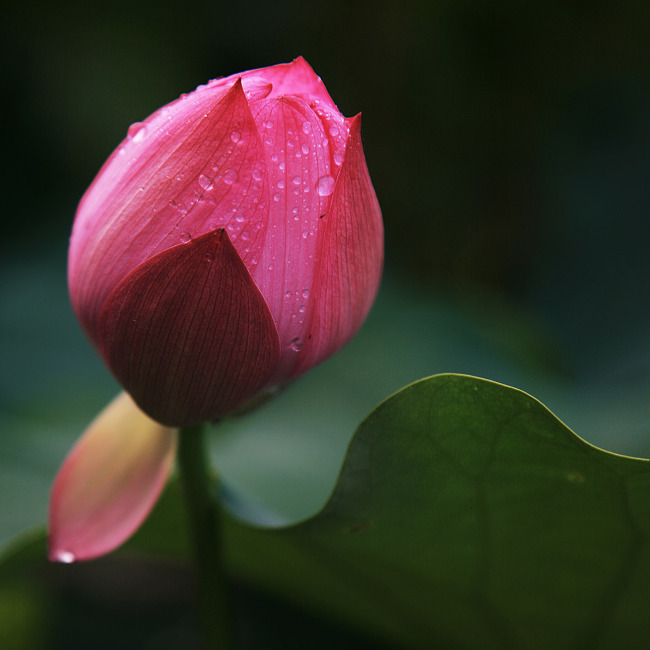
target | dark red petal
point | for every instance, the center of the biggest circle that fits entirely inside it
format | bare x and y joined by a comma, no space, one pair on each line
188,334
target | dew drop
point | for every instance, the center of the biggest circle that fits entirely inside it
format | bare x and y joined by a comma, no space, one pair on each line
274,157
325,185
338,158
282,166
185,237
137,131
240,218
65,556
296,180
256,88
235,136
271,267
230,176
305,293
276,197
288,295
281,184
305,234
301,309
206,182
257,174
305,148
306,128
295,345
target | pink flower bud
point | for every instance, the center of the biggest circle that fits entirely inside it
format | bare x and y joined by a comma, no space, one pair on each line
230,243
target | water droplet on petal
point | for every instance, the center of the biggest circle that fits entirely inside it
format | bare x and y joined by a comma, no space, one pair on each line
301,309
295,345
338,157
306,128
65,556
296,180
256,88
137,131
230,176
305,148
205,182
257,174
185,237
325,185
305,293
276,197
281,184
334,130
235,136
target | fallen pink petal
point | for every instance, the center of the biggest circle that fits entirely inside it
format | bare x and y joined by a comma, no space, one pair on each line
109,482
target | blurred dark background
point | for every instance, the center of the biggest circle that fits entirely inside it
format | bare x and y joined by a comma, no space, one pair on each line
509,144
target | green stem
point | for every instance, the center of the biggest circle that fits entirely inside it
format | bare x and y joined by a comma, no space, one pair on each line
200,487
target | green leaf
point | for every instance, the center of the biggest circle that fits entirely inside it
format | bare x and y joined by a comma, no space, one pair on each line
465,515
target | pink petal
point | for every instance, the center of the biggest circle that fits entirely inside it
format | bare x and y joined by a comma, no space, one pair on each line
109,482
296,78
301,157
188,333
193,166
350,258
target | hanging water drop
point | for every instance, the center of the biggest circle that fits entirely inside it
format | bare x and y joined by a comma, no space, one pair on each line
65,556
136,132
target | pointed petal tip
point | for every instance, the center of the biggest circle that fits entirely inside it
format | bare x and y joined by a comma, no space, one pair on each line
64,557
354,122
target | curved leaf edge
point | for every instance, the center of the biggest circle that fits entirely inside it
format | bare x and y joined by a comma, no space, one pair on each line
22,544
